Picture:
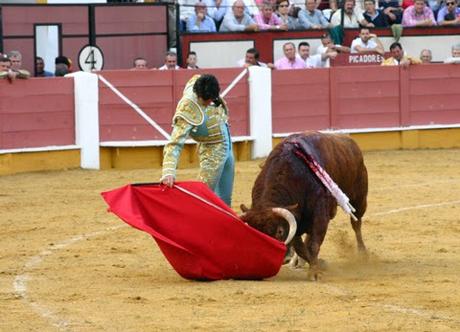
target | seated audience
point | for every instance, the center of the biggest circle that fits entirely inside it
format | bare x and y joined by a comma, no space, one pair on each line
418,15
251,59
186,9
398,58
290,60
16,62
327,45
455,58
267,19
62,66
238,20
139,64
40,68
374,17
449,14
312,18
348,16
200,21
170,61
192,60
217,10
426,56
317,60
393,10
7,72
367,42
282,7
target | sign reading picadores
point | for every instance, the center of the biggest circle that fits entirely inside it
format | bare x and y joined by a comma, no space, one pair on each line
359,59
90,58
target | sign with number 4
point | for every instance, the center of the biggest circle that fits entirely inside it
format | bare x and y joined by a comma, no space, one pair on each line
90,58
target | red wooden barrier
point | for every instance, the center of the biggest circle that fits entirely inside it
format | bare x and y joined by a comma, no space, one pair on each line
36,113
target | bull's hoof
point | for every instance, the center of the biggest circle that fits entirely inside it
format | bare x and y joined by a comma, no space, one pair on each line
314,275
297,262
323,264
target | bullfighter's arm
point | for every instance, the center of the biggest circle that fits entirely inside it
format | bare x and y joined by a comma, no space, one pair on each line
173,149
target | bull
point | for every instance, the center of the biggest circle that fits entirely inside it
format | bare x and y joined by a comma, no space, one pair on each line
289,200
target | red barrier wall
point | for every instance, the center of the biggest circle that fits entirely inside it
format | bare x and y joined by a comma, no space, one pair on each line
36,112
157,93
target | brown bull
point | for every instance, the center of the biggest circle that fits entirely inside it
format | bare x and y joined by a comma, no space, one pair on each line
287,192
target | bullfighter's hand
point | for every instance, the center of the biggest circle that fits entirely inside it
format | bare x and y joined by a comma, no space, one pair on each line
168,180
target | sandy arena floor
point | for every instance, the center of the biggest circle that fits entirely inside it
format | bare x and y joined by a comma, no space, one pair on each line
68,265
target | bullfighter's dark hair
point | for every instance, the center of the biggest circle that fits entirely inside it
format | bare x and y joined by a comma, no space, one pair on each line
394,45
207,87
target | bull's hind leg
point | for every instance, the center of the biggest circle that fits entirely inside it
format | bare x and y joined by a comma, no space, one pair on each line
356,224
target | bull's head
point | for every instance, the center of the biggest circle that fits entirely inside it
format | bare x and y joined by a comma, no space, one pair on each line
277,222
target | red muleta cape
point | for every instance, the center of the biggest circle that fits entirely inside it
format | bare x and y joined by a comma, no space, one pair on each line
200,241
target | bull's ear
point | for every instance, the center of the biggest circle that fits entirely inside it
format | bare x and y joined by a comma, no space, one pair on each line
244,208
293,208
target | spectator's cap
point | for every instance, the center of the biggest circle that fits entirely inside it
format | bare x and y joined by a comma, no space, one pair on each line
62,59
4,58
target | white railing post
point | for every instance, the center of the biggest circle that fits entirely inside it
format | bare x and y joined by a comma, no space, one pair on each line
260,110
87,118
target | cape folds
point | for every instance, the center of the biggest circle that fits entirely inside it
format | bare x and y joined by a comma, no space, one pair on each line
200,236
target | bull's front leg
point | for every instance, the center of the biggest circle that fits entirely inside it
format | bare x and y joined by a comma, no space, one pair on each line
314,242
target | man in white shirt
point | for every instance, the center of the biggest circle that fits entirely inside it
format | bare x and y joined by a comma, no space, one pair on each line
367,42
170,62
352,16
317,60
455,58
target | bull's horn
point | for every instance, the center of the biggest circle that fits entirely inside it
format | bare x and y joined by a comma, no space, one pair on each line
286,214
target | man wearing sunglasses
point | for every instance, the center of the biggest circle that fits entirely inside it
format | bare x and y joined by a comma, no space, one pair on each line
449,14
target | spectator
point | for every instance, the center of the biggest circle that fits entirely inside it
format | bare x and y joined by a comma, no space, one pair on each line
367,42
251,59
312,18
6,70
217,9
348,16
139,64
392,9
282,7
449,14
398,58
170,62
426,56
374,17
40,68
435,5
327,45
418,15
267,20
62,66
455,58
186,9
238,20
200,21
192,60
314,61
16,63
290,60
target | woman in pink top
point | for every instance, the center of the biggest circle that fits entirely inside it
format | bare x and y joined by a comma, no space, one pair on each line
267,20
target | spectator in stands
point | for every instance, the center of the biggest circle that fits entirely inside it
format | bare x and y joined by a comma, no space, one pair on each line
312,18
398,58
449,14
367,42
186,9
192,60
282,7
170,61
16,62
8,72
327,45
290,60
348,16
251,59
392,9
455,58
266,19
426,56
217,10
238,20
374,17
62,66
40,68
200,21
435,5
139,64
314,61
418,15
